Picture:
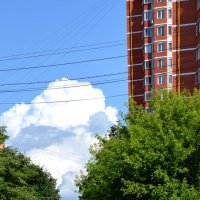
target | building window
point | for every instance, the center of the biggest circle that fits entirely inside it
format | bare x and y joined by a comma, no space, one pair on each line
147,80
160,13
170,30
160,30
147,32
160,79
160,0
147,96
170,46
198,27
147,64
147,15
146,1
147,48
169,63
161,94
161,63
170,13
198,77
198,53
198,4
161,47
149,109
170,79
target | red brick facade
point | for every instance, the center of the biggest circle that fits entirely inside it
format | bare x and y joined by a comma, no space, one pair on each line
163,41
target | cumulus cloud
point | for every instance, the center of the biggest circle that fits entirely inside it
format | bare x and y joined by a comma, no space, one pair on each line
57,136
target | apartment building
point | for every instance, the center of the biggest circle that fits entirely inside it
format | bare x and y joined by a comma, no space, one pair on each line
163,41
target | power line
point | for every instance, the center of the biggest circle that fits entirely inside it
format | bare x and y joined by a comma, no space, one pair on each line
94,25
68,101
74,47
77,85
40,53
61,64
81,26
59,53
62,49
78,78
65,86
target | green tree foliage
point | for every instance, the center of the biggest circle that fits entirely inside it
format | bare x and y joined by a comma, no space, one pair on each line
152,156
3,137
20,179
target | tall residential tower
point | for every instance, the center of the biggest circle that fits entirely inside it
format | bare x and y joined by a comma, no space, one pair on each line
163,38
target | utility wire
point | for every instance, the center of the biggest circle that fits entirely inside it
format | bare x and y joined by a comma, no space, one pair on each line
98,21
62,49
74,47
81,25
69,48
74,27
63,52
98,12
86,77
62,64
66,101
71,79
25,68
64,86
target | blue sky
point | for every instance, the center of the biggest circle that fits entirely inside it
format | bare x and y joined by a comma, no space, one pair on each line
29,26
61,133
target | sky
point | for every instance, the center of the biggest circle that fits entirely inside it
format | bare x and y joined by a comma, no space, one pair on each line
69,51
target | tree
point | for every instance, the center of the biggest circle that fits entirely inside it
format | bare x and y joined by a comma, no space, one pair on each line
20,179
155,156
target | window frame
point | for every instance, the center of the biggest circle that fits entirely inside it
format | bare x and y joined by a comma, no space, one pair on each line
149,66
161,63
170,47
148,48
198,53
198,27
161,30
147,96
149,82
149,31
169,30
170,79
149,15
198,77
159,45
146,1
198,4
169,64
161,80
161,13
169,13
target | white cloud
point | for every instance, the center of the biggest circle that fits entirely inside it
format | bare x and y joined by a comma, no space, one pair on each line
66,156
59,115
57,136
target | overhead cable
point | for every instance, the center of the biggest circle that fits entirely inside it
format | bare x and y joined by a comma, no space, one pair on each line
65,101
77,78
62,64
64,86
